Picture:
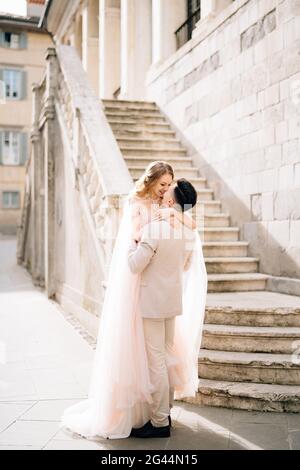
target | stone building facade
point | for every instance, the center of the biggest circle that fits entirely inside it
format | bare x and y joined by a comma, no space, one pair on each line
212,87
22,49
231,89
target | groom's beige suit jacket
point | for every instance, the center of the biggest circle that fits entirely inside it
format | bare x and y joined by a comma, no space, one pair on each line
161,257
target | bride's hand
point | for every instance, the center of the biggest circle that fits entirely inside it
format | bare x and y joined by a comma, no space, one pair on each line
164,214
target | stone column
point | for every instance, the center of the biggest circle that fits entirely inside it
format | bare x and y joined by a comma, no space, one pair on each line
167,17
109,48
90,41
49,172
135,47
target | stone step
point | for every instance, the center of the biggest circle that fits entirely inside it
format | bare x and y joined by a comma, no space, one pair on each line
209,207
198,183
162,144
219,233
136,118
247,396
125,125
253,339
155,153
132,111
188,172
225,249
210,220
248,367
253,316
144,134
177,162
231,265
129,104
204,194
236,282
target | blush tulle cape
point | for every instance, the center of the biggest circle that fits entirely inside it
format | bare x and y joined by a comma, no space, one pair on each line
120,388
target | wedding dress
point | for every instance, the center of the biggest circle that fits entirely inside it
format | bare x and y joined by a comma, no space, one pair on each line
120,389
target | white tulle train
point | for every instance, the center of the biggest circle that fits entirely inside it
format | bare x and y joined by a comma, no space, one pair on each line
120,388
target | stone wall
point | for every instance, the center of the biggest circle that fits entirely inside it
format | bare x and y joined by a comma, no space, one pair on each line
233,93
78,275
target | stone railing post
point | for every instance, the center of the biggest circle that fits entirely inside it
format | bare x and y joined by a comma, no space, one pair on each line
49,169
37,214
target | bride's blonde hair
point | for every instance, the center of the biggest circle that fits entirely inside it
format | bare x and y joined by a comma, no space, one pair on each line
149,178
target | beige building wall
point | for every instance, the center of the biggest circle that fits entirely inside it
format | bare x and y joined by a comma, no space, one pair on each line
17,115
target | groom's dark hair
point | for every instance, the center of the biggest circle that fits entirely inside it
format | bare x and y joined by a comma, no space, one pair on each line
185,194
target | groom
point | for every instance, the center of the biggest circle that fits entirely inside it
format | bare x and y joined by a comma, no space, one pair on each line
160,258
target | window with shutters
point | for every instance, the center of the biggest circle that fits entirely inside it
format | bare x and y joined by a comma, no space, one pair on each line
13,84
12,40
11,199
11,148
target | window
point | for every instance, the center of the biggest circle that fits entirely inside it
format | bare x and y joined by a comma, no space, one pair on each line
184,32
12,80
11,199
193,6
12,40
13,147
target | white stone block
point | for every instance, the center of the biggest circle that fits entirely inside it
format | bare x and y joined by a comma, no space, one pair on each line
247,106
279,232
273,156
291,152
252,183
273,114
260,52
284,89
286,177
287,10
290,32
269,180
297,175
294,129
265,6
295,233
272,95
254,162
267,206
281,132
261,100
267,136
275,41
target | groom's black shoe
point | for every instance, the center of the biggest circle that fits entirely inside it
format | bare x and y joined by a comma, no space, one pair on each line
134,431
148,430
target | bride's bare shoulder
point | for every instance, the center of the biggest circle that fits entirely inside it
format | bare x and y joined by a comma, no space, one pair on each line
136,201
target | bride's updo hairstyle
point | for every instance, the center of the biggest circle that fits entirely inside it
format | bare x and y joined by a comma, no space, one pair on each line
147,181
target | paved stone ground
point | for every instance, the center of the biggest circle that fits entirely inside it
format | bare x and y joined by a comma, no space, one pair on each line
44,367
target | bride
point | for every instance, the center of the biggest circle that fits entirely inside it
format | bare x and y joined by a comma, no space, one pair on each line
120,389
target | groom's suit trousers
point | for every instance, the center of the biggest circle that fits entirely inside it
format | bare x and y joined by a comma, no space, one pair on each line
159,337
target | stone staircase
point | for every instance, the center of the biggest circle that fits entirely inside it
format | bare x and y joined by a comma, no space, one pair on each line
246,356
144,135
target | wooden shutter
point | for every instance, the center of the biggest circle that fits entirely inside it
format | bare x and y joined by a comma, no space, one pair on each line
23,147
1,147
23,85
23,40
